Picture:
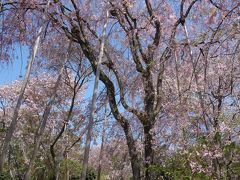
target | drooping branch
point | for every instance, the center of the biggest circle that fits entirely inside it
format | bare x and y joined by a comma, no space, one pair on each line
167,52
141,115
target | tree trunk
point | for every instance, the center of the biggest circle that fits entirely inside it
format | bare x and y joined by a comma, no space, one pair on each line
149,156
44,119
148,152
66,170
34,154
93,105
57,170
134,157
103,141
41,131
61,133
13,123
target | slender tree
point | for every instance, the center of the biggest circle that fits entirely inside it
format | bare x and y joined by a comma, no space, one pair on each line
79,81
45,116
94,99
103,141
13,124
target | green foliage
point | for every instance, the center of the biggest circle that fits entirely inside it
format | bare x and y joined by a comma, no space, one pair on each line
116,159
177,168
235,168
5,176
202,140
103,177
40,170
218,137
72,165
91,174
158,170
75,169
177,165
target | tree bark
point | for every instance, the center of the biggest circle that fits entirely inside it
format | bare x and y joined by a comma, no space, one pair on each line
66,170
132,152
57,170
148,152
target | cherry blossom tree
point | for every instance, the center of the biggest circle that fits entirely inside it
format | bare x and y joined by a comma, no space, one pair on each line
171,71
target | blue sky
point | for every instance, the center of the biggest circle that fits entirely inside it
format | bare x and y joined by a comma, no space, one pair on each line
12,70
9,72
